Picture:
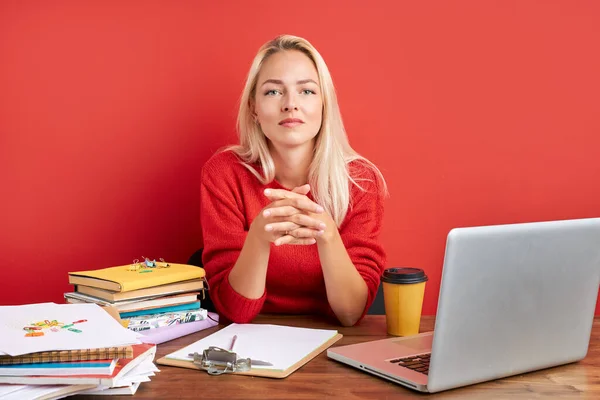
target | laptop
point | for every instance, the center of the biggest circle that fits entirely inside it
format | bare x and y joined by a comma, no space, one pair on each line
514,298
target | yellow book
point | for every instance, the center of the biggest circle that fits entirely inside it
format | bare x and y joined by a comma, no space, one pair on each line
136,276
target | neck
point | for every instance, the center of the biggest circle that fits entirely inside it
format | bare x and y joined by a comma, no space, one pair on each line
292,165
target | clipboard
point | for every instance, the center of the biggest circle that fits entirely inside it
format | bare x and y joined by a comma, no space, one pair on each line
259,372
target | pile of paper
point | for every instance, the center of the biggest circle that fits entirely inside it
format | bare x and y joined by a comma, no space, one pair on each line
39,392
58,337
128,383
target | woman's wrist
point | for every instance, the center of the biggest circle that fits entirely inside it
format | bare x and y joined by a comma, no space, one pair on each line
330,233
257,236
328,236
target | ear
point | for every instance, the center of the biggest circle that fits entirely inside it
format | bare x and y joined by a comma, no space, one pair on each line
252,108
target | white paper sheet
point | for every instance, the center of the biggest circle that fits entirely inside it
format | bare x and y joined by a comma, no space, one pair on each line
5,354
145,367
129,390
140,373
282,346
98,328
32,392
6,388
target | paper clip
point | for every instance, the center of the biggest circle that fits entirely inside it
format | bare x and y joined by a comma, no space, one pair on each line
153,264
135,265
147,265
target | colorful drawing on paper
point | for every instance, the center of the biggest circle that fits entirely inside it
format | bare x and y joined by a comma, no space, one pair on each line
39,328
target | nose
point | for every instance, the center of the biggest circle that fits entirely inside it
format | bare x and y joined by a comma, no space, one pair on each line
289,103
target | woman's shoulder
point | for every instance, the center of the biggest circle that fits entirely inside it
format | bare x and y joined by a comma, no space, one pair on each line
366,174
361,168
367,179
223,157
223,162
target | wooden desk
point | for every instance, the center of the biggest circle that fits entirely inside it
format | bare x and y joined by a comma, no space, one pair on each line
324,378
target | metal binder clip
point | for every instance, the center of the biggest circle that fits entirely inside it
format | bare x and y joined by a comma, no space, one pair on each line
217,361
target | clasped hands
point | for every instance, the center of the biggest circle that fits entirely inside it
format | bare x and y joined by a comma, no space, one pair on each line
293,218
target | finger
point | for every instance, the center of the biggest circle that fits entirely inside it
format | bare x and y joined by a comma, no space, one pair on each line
306,204
281,227
278,194
281,211
303,190
296,199
307,222
288,239
301,203
304,242
303,233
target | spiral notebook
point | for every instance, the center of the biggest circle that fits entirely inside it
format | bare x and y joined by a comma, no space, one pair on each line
141,353
104,353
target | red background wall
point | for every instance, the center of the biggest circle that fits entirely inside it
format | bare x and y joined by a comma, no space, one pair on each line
477,112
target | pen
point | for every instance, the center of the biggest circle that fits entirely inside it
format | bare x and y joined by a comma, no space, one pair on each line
232,342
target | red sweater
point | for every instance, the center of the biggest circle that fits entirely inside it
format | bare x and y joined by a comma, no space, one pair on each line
231,197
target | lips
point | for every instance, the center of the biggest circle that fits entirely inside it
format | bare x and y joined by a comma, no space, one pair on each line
291,122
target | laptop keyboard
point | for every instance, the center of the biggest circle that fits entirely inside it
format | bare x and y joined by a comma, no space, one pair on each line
418,363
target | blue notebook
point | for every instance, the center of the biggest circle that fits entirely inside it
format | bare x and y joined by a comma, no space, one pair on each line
181,307
97,367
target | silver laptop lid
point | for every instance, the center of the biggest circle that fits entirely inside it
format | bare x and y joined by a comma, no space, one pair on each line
514,298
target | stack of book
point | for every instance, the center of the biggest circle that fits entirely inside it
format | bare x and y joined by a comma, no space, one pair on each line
56,350
148,295
110,370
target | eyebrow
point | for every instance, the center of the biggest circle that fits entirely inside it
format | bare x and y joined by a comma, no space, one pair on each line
280,82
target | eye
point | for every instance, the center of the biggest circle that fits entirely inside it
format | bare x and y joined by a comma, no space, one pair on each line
308,91
272,92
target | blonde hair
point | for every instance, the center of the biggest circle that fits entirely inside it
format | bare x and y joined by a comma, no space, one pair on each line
329,174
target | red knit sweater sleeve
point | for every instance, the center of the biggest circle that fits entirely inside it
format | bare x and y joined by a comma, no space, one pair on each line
224,231
362,227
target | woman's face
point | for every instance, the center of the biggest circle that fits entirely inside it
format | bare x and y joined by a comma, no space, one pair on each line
288,103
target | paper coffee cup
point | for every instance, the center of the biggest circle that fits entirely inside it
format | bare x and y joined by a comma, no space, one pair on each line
403,291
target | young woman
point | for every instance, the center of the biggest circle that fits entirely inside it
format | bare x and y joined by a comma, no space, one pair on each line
291,216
